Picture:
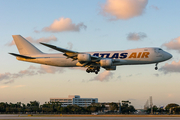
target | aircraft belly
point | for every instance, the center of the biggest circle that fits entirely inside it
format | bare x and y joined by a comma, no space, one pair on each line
61,62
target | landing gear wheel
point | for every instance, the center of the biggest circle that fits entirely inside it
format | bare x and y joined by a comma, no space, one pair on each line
96,72
87,71
93,69
156,68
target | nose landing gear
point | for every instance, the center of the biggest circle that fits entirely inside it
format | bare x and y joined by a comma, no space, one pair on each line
93,69
156,68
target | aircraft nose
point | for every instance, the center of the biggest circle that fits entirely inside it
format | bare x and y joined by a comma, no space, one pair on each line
168,55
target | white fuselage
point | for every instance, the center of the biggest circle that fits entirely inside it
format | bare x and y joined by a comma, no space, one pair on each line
126,57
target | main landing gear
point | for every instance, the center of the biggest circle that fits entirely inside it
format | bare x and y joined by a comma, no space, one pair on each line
93,69
156,66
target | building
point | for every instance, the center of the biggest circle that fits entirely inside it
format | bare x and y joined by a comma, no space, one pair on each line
75,100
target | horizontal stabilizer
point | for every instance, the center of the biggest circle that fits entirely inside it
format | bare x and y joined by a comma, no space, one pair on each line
22,56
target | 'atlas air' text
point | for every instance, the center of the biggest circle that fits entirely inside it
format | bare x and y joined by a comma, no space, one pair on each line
123,55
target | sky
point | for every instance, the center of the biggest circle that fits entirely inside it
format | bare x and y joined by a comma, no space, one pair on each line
90,25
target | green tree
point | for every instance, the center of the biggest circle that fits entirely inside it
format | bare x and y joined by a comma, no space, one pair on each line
126,108
176,110
113,106
171,105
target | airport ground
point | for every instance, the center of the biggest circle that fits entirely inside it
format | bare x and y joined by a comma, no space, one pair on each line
88,117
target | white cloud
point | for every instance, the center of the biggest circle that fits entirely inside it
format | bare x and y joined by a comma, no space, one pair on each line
104,76
173,67
136,36
31,71
49,69
123,9
64,24
174,44
36,41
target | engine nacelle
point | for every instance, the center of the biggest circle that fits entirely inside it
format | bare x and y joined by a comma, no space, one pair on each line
110,68
84,57
106,62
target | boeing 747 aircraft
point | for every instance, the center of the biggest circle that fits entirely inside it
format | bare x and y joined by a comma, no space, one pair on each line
93,61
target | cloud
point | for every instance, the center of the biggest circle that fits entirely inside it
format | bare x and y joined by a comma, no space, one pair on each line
31,71
136,36
174,44
49,69
4,76
104,76
154,7
173,67
17,86
64,24
36,41
5,86
123,9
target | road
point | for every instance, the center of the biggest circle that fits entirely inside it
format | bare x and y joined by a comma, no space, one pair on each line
23,117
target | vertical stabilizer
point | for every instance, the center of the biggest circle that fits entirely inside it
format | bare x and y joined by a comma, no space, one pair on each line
24,46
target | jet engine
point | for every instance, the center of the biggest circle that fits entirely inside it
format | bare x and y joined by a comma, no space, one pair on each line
84,57
106,62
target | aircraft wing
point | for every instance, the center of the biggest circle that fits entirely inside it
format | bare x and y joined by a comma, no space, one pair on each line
58,48
68,53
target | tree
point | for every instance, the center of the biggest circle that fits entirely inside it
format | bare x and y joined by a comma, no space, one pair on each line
176,110
93,108
126,108
113,106
171,105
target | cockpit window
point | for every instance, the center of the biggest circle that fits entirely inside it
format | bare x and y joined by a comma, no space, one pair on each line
160,49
